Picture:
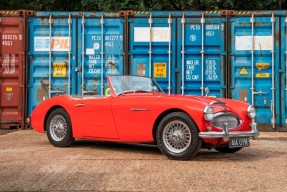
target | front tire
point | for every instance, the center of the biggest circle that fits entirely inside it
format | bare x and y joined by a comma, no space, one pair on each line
177,136
59,128
227,149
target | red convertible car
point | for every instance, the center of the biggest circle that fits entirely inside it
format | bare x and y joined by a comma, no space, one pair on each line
138,111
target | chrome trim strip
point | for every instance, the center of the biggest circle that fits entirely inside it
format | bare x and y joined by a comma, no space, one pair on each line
225,134
139,109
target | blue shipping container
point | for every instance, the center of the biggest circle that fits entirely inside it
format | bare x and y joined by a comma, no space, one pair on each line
254,61
72,53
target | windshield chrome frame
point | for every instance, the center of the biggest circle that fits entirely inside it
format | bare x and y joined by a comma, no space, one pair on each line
121,93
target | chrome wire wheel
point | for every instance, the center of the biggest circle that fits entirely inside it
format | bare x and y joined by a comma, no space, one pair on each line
176,136
58,127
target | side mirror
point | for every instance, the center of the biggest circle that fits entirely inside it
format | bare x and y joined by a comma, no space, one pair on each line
206,91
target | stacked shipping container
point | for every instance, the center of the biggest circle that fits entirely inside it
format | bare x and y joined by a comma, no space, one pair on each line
240,55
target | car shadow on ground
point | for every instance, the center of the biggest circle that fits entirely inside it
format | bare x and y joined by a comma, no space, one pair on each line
130,147
246,154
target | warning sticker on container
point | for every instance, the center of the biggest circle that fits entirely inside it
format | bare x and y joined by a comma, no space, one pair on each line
8,96
158,34
262,75
243,71
261,66
260,43
9,89
159,70
57,44
60,69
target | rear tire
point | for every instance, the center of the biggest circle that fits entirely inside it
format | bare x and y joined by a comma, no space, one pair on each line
177,136
59,128
228,150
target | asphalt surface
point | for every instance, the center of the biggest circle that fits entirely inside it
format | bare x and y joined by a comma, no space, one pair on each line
28,162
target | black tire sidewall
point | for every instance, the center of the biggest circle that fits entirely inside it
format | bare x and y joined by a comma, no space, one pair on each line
68,139
195,144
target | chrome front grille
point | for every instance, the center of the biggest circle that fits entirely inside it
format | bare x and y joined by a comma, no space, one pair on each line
232,120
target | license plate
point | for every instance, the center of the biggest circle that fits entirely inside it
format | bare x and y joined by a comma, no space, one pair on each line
239,142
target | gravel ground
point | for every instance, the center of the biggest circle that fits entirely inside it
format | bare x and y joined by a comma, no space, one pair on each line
28,162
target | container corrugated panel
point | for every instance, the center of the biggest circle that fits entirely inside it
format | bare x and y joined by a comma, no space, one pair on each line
52,54
201,53
254,61
12,69
100,52
152,47
72,53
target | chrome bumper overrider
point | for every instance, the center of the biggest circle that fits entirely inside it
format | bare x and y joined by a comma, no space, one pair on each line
225,134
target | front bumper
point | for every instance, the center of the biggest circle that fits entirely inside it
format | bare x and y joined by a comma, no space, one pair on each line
225,134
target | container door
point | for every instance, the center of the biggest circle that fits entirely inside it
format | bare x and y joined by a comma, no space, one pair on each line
51,57
152,49
283,66
201,54
100,53
254,63
12,75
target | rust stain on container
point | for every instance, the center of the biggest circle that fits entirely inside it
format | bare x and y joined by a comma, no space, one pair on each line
12,70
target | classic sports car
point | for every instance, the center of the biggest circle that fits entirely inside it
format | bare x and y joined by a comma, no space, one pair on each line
138,111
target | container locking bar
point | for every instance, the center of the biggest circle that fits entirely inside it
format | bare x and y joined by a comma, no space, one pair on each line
202,54
83,53
252,58
150,40
273,121
169,53
50,54
69,54
102,55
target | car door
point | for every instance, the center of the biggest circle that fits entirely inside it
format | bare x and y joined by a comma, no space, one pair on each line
94,118
134,116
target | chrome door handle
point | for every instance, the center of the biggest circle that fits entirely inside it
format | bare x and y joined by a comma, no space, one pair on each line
260,93
139,109
79,105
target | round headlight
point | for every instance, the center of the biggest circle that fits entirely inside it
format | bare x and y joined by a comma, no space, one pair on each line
208,113
251,112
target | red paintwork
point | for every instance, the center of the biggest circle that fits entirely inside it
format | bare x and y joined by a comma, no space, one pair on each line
113,119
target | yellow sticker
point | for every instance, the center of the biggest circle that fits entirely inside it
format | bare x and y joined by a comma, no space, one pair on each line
159,70
108,92
262,75
60,69
261,66
243,71
9,89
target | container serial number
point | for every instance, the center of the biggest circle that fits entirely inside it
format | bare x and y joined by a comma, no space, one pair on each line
7,43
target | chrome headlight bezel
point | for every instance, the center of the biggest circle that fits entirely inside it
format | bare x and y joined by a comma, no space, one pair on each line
251,112
208,113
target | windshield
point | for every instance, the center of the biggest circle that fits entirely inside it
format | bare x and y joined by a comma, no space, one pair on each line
133,84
